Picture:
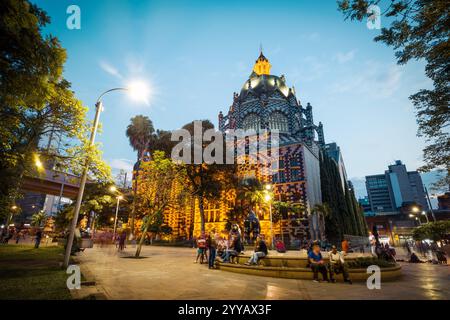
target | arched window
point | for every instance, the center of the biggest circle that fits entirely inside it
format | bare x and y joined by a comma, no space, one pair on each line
251,122
278,121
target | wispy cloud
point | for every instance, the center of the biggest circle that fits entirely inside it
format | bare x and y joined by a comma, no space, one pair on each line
313,36
343,57
376,81
110,69
122,164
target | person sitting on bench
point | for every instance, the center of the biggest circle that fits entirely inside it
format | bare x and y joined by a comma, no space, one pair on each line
317,264
260,251
337,265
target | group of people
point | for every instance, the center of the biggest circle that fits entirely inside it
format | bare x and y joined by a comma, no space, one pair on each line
18,235
212,245
336,264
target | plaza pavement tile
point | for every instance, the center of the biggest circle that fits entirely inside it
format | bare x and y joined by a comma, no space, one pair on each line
169,273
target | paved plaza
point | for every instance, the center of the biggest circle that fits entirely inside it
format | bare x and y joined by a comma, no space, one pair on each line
170,273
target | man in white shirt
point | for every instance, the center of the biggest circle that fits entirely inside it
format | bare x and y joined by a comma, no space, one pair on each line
337,265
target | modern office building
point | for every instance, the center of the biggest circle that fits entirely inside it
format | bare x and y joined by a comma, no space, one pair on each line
394,189
365,204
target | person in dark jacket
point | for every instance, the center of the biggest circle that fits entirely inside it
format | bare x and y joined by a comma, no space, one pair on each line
38,237
260,251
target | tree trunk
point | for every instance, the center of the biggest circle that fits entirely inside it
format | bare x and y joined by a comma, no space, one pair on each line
144,233
202,212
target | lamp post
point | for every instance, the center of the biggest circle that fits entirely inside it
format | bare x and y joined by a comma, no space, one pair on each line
424,213
115,219
429,203
138,92
268,199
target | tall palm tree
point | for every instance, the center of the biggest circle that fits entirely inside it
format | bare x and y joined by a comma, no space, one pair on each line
139,133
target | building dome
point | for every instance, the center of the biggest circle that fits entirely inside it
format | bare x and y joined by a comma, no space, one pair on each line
264,84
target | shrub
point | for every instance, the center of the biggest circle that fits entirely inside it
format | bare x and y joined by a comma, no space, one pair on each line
369,261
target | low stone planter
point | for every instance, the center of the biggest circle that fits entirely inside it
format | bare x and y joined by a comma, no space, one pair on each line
292,267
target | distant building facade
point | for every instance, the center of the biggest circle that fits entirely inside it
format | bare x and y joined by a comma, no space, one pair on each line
394,189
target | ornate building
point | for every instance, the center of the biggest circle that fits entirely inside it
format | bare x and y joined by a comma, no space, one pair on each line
266,103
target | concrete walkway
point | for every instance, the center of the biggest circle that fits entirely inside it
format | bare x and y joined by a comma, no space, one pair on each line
170,273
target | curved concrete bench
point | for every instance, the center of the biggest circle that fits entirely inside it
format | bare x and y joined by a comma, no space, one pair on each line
292,267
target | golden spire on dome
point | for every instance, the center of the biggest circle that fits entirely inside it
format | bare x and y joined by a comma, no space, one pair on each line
262,65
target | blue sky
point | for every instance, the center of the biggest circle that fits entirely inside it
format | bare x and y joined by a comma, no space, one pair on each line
196,54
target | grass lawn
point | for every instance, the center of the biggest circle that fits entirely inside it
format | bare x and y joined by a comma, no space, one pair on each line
29,273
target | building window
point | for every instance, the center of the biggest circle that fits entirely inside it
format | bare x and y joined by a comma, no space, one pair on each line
251,122
295,175
278,121
294,162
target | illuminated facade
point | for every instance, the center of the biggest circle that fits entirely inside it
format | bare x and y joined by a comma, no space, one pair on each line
266,103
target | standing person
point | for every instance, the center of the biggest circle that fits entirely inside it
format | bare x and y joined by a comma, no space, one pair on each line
38,237
260,251
235,235
18,235
337,265
201,248
317,264
212,245
122,238
345,246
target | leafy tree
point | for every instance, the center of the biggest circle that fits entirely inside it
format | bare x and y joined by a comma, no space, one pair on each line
157,226
97,198
206,181
436,231
36,101
38,218
155,189
280,210
419,29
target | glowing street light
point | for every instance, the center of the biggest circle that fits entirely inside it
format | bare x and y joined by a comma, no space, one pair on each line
415,209
426,216
120,197
137,91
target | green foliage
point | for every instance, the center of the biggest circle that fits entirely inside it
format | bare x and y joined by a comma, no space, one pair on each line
96,198
156,180
36,101
344,215
140,132
206,181
419,29
38,218
435,231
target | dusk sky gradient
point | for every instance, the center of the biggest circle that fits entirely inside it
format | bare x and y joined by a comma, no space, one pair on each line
196,54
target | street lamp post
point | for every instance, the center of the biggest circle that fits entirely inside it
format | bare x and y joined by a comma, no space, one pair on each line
98,109
424,213
268,198
429,203
115,219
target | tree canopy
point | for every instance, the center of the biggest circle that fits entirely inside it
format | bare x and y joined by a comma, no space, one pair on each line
36,102
419,30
